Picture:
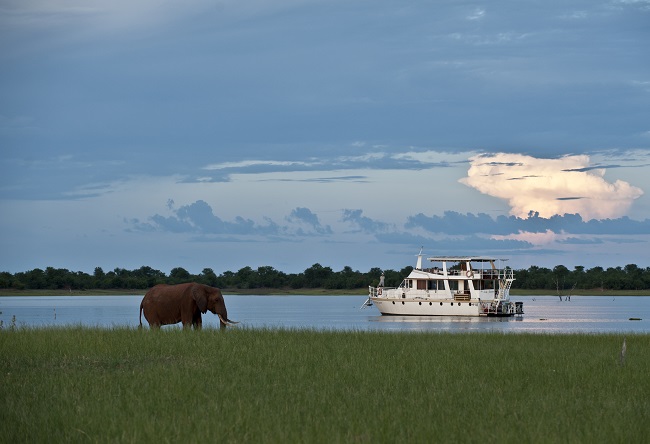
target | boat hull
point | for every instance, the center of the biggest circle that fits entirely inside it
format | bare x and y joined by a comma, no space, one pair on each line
420,307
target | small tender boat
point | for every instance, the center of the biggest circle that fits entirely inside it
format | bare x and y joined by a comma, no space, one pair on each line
453,286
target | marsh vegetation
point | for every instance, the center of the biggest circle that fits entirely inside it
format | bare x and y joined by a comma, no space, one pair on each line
240,385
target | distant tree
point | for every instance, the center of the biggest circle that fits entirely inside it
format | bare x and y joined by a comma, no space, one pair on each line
614,278
208,277
58,278
560,278
298,281
246,278
99,278
227,279
316,275
269,277
179,275
634,277
6,280
146,277
35,279
561,273
351,279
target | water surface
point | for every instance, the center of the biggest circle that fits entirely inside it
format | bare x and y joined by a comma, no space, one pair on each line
543,314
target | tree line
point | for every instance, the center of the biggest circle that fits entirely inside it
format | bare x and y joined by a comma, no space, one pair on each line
630,277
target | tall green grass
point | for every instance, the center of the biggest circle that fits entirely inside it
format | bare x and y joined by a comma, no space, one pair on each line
240,385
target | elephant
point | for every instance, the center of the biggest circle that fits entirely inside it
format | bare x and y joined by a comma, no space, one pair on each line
171,304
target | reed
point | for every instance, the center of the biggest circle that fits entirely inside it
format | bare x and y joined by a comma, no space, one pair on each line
245,385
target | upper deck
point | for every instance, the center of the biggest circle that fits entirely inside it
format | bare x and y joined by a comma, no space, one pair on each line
463,259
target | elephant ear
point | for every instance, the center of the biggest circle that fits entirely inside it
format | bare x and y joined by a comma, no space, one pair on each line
198,294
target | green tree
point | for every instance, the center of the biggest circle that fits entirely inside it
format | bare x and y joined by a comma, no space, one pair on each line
208,277
146,277
316,275
269,277
179,275
58,278
99,278
6,280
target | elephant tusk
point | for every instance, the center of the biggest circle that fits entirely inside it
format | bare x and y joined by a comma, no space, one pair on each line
226,321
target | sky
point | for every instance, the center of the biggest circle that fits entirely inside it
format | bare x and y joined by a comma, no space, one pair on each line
284,133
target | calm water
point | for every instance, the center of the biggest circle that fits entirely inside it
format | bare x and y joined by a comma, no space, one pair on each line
543,314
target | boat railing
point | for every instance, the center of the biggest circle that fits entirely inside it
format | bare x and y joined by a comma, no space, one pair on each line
476,273
497,308
507,274
377,292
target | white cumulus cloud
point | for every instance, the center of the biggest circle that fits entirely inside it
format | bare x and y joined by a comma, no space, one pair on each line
566,185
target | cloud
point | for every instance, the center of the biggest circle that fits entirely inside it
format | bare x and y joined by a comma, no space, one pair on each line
358,179
537,238
374,159
365,224
123,13
549,186
477,14
99,14
306,217
198,217
455,223
252,164
574,15
581,241
451,233
643,5
605,167
456,245
487,40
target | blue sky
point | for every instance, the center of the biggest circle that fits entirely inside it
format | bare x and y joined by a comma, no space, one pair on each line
223,134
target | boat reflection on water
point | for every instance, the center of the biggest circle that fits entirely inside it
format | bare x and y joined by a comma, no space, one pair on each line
445,323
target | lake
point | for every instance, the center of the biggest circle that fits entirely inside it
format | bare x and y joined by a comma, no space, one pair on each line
543,314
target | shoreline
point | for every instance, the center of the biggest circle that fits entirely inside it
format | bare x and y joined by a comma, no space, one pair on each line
305,292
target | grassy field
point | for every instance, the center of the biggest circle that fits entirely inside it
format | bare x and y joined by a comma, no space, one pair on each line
240,385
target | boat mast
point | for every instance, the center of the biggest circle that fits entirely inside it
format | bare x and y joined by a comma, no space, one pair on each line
418,265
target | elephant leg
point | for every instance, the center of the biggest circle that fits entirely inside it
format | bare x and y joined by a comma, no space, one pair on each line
188,318
197,321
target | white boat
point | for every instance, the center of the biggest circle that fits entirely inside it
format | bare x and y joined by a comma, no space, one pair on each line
452,286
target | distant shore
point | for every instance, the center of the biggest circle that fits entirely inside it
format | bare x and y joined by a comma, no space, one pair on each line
308,291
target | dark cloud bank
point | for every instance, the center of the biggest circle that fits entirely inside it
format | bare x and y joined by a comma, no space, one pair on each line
198,218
